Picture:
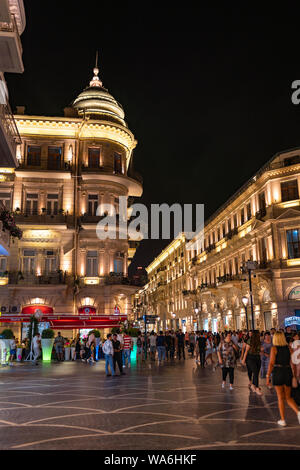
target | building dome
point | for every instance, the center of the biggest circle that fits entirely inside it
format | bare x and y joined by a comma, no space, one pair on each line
96,102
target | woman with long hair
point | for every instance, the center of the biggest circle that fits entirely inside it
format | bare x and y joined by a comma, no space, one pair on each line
252,355
282,375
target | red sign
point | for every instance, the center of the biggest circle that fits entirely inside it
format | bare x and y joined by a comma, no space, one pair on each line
31,309
69,321
87,310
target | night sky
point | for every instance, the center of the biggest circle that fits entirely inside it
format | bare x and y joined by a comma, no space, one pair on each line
206,91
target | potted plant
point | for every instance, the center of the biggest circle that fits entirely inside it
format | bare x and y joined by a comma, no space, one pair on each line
67,347
19,352
47,344
5,337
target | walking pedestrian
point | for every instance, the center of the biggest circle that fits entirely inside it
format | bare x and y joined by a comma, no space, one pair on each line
202,348
265,354
36,346
13,350
152,341
180,344
172,344
161,347
168,344
227,359
117,355
192,341
252,354
127,348
282,375
139,347
59,344
109,352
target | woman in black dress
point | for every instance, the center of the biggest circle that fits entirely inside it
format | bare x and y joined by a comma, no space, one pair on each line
282,374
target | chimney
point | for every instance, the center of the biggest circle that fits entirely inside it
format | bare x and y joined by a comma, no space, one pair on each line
20,110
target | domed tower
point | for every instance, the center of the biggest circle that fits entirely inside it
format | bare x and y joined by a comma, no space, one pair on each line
104,173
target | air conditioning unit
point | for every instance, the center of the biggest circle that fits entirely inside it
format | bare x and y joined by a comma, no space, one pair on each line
15,309
4,309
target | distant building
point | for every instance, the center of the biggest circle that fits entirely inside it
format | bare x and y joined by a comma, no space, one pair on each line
260,222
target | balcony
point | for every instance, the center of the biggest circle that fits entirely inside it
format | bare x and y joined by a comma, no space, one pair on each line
9,137
28,279
10,47
47,170
229,280
25,218
133,182
119,278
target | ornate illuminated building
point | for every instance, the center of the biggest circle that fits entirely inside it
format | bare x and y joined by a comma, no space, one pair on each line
68,166
260,222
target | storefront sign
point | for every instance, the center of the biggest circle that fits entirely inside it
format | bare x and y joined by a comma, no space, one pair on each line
295,293
289,321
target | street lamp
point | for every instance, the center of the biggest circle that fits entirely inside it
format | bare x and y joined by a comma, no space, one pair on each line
245,301
250,266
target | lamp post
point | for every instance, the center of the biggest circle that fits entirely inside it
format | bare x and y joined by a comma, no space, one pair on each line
250,266
245,301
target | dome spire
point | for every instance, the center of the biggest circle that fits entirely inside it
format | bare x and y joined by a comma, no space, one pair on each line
96,80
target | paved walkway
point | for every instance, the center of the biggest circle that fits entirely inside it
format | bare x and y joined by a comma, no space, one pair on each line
175,406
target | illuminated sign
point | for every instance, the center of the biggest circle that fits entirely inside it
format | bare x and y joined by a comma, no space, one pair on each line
289,321
295,293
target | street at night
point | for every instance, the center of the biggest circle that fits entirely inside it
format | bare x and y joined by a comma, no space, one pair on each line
176,406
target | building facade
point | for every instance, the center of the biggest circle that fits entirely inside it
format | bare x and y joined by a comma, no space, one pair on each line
71,172
12,25
261,222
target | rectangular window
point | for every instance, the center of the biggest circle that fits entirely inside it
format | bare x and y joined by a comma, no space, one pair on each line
28,261
33,155
289,190
118,266
54,158
219,234
50,262
293,243
262,201
94,157
92,263
223,230
32,204
249,215
242,216
3,263
118,163
92,204
5,200
235,222
52,204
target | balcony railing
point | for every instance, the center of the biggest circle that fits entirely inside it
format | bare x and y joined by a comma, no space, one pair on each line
29,279
9,127
46,166
228,278
42,218
12,27
119,278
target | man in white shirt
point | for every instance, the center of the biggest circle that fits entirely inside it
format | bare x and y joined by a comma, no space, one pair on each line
36,345
108,350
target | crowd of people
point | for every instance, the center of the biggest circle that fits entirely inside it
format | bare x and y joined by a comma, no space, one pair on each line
273,356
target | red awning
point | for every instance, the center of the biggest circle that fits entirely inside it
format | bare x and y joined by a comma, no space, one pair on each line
67,321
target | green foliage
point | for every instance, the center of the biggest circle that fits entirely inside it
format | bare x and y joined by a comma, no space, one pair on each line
7,334
96,333
133,332
48,334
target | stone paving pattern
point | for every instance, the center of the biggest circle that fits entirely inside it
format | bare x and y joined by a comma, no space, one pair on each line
177,406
